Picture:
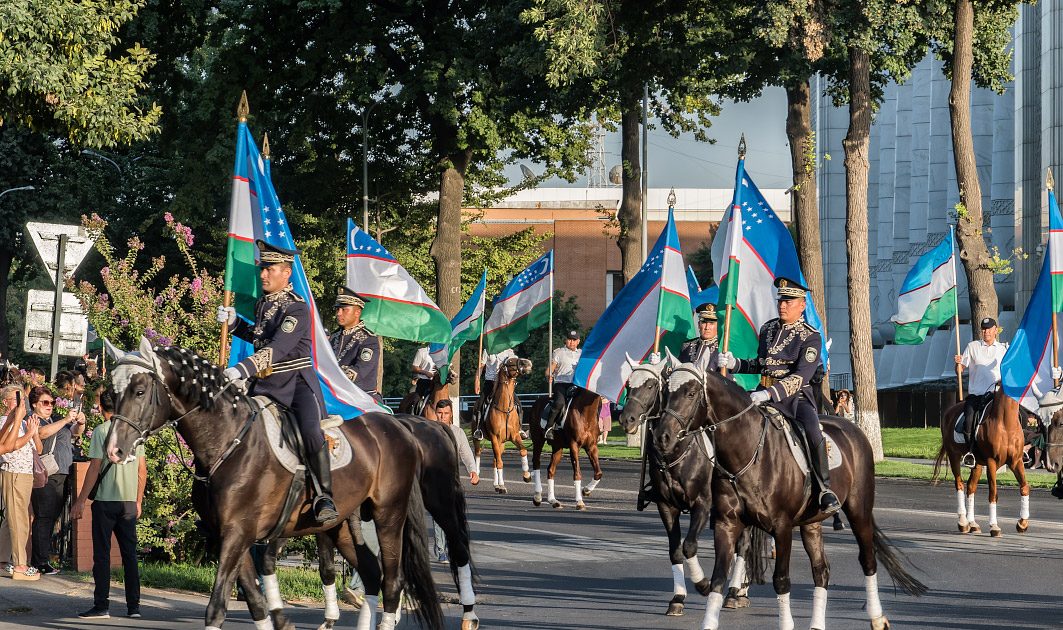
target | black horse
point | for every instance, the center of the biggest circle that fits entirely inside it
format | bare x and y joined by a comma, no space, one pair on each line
245,487
758,482
683,485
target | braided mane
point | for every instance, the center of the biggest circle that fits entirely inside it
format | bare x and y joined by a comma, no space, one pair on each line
198,378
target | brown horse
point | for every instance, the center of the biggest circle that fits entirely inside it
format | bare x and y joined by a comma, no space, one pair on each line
501,421
998,441
244,486
413,403
579,429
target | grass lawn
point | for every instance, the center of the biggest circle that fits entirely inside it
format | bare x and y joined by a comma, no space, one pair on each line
911,443
1037,478
297,585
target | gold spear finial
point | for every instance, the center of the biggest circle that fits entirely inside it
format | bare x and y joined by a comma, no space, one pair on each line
742,147
243,109
1050,182
265,146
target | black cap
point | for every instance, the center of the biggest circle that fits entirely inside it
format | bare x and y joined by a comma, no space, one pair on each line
988,323
572,334
790,289
346,297
271,254
707,312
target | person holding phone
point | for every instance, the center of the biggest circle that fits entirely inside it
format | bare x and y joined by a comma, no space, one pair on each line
57,453
16,484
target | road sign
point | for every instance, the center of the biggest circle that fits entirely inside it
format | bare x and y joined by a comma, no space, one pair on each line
73,325
46,238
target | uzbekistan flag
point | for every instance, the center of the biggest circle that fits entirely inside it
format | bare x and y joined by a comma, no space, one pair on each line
396,305
1027,366
523,306
756,248
466,325
256,214
928,295
655,301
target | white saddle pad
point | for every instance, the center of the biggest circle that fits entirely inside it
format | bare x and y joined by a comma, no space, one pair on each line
340,455
834,455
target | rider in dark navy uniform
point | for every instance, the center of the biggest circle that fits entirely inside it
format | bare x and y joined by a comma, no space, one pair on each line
281,366
357,349
787,358
705,350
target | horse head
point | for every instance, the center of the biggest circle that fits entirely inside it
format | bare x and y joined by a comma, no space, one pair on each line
1051,413
683,412
514,367
645,393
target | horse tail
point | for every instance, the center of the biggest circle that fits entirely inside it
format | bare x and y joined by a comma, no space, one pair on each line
416,566
757,564
892,558
938,461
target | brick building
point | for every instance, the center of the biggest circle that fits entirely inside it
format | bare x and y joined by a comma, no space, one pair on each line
579,222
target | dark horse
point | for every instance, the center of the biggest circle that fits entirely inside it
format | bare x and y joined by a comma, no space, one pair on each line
418,405
998,440
758,482
682,485
579,429
245,486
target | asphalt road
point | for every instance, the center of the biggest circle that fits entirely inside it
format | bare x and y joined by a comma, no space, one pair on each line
607,569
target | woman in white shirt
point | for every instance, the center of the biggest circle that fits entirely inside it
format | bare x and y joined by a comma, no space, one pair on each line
16,485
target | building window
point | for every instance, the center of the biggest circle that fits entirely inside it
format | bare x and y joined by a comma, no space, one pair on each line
614,281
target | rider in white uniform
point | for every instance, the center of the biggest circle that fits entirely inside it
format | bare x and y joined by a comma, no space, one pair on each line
983,357
561,372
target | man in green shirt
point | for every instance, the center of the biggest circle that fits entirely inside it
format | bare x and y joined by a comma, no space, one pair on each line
115,510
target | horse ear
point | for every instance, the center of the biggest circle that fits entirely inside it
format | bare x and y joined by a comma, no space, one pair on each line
673,362
631,362
145,348
113,351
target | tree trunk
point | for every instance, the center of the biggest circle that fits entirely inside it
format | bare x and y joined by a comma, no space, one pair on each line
973,250
630,215
7,257
803,197
446,247
857,143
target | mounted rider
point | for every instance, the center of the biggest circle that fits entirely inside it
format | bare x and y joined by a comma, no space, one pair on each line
787,358
357,348
492,363
281,367
561,371
424,372
983,357
704,351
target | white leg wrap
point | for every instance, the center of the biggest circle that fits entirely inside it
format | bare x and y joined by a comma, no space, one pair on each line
550,491
272,592
712,612
1024,507
468,596
332,608
694,569
524,463
970,508
388,621
265,624
501,482
367,613
477,462
538,480
992,514
592,485
874,606
738,572
679,580
819,608
961,503
579,490
786,618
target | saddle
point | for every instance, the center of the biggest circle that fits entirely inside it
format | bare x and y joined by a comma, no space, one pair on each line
958,434
798,442
286,442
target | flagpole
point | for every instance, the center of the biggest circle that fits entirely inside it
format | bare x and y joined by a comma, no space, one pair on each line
242,110
956,314
727,311
550,334
1050,184
480,351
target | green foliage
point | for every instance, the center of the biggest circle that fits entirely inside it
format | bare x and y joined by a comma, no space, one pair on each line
700,260
296,584
992,45
59,72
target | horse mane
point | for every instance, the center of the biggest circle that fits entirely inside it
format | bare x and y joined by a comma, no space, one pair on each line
198,378
640,377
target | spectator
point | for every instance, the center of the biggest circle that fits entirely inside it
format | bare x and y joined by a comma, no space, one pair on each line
116,505
16,485
844,407
605,421
56,435
445,415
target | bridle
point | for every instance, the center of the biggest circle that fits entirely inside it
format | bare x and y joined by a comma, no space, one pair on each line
506,370
658,401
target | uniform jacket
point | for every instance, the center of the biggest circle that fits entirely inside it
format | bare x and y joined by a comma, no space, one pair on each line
357,351
704,354
281,362
788,354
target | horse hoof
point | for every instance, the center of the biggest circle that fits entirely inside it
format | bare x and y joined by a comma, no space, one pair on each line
1022,525
470,624
537,499
556,505
501,489
964,528
733,602
975,529
880,624
995,531
581,506
704,586
526,476
675,609
328,625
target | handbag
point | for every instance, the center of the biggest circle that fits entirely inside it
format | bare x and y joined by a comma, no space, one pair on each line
40,475
48,459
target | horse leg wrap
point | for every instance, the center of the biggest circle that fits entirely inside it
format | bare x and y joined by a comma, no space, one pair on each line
264,624
738,573
1024,507
501,479
468,596
578,483
524,463
272,592
538,480
388,621
874,606
550,491
712,612
332,607
819,608
961,504
477,461
592,485
992,514
367,614
970,508
694,568
679,580
786,618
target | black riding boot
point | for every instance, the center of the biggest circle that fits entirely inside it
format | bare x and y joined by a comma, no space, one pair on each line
553,419
828,501
324,508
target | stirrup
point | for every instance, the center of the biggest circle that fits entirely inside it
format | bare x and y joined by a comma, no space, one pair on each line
830,509
550,432
477,434
325,512
968,460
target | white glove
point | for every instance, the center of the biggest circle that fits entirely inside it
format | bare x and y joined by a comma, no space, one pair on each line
727,360
1057,373
760,396
233,374
655,358
226,315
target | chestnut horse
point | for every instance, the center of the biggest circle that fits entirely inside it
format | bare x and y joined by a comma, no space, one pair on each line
243,487
426,407
998,441
579,429
501,420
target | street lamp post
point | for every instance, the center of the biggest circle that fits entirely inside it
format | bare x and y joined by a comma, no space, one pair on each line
16,188
365,164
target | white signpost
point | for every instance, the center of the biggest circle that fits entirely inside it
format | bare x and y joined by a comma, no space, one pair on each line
62,248
73,325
